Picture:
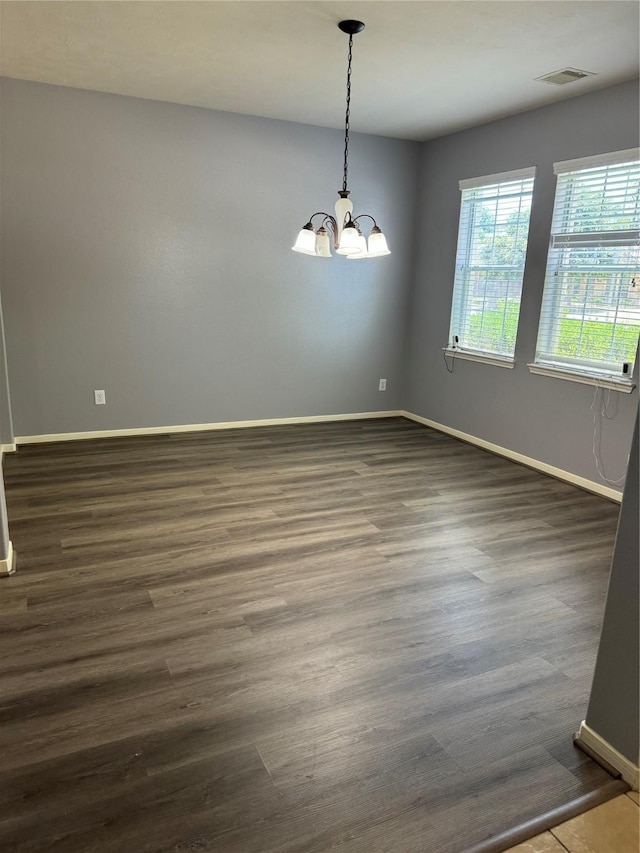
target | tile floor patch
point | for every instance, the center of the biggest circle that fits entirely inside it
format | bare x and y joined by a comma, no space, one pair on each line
544,843
609,828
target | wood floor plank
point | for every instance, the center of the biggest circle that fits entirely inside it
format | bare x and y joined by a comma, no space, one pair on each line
361,637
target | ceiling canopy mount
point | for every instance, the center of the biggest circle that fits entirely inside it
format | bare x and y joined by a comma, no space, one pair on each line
351,28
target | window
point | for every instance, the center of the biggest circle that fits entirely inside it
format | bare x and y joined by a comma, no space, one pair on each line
492,245
591,305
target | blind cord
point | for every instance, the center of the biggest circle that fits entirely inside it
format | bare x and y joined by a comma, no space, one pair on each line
446,363
605,406
600,411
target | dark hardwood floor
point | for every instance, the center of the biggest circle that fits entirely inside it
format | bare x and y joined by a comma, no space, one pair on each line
357,637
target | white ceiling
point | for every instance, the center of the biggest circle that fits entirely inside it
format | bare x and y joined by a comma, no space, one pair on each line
421,69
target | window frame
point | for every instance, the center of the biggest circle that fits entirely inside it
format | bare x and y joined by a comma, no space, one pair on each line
463,261
547,360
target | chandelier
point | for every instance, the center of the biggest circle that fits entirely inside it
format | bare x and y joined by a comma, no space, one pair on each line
343,230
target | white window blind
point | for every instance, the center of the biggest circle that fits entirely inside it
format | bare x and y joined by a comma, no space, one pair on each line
590,315
492,245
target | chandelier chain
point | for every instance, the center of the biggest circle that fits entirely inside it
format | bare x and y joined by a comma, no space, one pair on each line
347,116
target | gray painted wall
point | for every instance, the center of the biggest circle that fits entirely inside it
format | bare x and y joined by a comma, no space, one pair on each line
547,419
145,251
6,422
614,706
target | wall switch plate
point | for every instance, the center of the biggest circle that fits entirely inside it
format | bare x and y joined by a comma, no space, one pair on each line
382,385
99,398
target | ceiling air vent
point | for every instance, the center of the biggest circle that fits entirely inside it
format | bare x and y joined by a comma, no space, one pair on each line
567,75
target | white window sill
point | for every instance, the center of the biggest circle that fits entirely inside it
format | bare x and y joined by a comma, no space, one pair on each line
609,382
483,358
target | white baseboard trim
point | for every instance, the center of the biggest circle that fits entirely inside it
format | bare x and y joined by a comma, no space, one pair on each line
558,473
603,749
164,430
6,448
8,566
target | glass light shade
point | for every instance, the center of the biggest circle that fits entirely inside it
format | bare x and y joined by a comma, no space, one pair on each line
377,243
344,209
323,244
363,247
349,242
306,241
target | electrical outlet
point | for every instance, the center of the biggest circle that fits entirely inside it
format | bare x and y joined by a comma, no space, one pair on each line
99,398
382,385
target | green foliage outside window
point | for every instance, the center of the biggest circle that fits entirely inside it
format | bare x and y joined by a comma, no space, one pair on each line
590,339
